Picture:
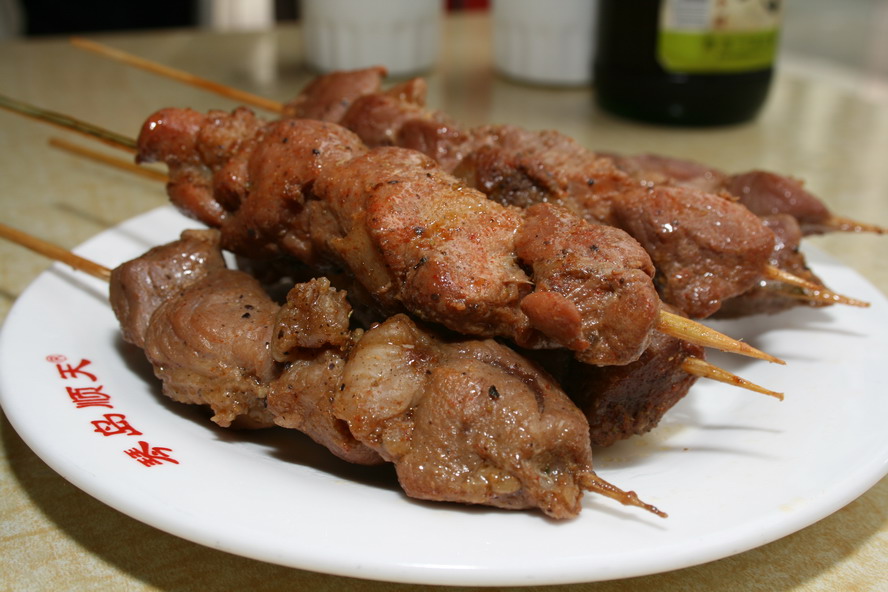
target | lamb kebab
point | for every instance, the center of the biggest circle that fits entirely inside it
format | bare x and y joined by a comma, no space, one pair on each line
413,236
680,280
331,96
466,421
707,249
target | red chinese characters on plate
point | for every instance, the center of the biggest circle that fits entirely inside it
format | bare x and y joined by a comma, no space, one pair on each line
86,393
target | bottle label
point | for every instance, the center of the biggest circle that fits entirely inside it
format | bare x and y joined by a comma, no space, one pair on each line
718,36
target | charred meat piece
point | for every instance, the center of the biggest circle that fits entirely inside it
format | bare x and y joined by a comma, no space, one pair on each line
458,255
706,251
769,194
764,192
328,97
312,340
593,290
140,286
655,169
706,248
244,176
204,328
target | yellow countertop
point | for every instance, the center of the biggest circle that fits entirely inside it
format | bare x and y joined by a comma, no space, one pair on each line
825,124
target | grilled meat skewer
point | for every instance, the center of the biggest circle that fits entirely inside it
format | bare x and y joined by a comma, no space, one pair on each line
706,248
630,402
668,323
466,421
414,237
333,96
193,184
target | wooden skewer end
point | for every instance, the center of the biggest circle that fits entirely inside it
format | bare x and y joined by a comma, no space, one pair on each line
694,332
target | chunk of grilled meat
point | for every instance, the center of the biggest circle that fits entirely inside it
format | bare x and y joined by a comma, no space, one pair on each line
630,400
208,333
765,193
771,297
467,421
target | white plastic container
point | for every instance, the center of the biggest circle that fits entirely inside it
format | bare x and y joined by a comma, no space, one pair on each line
549,42
402,35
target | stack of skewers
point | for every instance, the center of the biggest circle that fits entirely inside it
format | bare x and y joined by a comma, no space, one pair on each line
477,306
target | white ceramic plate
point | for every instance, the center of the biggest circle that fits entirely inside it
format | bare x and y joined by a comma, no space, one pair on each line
733,469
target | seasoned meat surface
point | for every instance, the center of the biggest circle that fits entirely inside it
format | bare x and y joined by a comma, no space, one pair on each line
143,284
771,297
470,421
312,339
655,169
415,237
765,193
210,346
593,288
215,338
682,229
328,97
204,328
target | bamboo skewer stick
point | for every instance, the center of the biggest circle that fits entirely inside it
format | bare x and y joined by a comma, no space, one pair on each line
703,369
849,225
109,160
69,123
180,75
54,252
691,331
810,290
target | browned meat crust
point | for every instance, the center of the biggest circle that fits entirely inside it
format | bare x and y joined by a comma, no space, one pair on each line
208,332
770,297
328,97
468,421
768,194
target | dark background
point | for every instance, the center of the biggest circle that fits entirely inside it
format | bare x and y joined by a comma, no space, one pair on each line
52,17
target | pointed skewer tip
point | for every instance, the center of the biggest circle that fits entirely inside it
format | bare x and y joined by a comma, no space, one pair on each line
703,369
697,333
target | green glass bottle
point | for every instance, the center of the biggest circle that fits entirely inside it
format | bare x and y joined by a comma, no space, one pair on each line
685,62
